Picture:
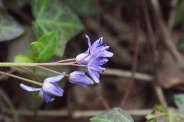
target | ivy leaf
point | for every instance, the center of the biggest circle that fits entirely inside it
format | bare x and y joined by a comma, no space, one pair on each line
43,49
9,28
113,115
23,59
35,49
55,16
49,41
179,101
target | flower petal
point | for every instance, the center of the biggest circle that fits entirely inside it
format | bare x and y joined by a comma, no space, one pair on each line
89,42
53,79
94,74
106,54
28,88
96,68
99,61
83,58
53,89
95,64
46,97
96,44
80,78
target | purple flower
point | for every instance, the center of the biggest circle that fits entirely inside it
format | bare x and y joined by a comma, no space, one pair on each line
80,78
50,88
94,58
93,50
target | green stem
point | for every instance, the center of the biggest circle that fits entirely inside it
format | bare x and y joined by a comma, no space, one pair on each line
21,78
8,64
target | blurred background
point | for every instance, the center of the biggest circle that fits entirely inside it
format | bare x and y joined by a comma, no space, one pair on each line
146,37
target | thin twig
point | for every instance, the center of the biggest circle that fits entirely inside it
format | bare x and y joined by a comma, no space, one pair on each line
104,102
123,73
21,78
67,60
149,29
10,72
79,114
134,64
160,95
29,71
172,14
53,71
157,88
10,104
101,98
164,33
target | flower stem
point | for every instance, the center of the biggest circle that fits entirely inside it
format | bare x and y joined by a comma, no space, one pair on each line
8,64
53,71
29,71
67,60
21,78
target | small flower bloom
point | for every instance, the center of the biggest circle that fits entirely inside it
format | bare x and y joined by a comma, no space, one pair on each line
94,58
50,88
93,50
80,78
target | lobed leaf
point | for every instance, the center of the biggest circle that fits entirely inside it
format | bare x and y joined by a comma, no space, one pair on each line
113,115
55,16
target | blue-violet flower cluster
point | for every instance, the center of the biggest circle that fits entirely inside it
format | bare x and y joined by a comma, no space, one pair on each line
95,56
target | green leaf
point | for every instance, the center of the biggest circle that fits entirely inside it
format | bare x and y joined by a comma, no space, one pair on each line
55,16
46,46
23,59
113,115
35,49
179,101
9,28
83,7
